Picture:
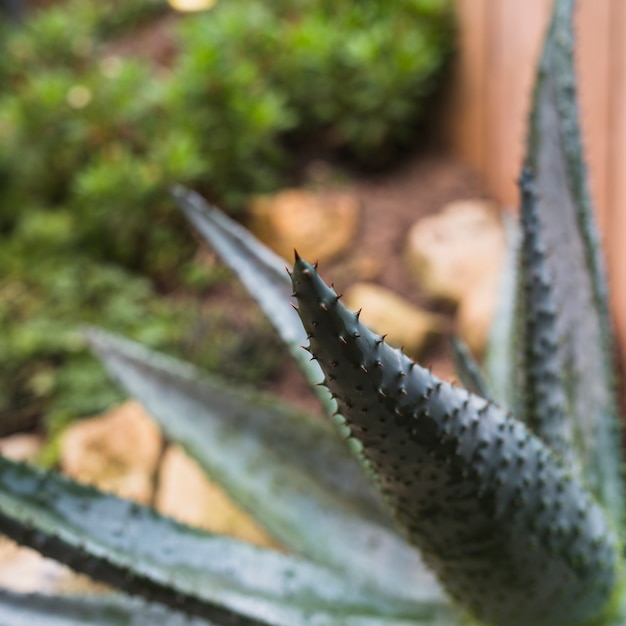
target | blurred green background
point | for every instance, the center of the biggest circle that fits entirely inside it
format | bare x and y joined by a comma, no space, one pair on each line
104,105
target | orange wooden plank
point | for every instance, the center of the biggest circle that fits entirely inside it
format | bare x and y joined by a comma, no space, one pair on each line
593,22
500,41
514,39
467,101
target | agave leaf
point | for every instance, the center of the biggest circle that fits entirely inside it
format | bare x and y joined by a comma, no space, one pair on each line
219,412
261,271
225,581
501,361
545,407
511,534
21,609
467,368
575,264
291,472
25,609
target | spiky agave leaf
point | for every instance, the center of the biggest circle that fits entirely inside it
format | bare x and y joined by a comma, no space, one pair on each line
584,337
225,581
106,609
545,407
511,534
289,470
467,368
18,609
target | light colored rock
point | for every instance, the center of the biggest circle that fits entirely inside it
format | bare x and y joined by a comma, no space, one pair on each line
117,451
189,6
21,447
474,316
26,571
318,225
386,312
187,495
362,266
457,257
452,252
23,569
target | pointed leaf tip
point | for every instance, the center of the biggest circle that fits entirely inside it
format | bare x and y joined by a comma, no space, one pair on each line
185,198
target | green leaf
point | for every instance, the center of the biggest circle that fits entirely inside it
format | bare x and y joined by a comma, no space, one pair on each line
510,533
575,264
289,470
140,552
262,272
467,369
501,362
26,609
545,403
18,609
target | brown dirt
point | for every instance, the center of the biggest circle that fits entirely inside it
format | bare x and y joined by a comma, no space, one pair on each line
391,203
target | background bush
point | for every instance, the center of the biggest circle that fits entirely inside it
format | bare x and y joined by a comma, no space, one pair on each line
92,135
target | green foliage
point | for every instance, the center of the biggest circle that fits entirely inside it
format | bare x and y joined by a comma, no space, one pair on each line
70,134
362,82
92,136
49,298
350,76
32,382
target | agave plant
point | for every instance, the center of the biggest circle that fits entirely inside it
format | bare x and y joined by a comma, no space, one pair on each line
499,504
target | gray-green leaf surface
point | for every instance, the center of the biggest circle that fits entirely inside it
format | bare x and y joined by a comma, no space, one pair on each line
545,408
133,548
467,368
25,609
510,532
289,470
575,263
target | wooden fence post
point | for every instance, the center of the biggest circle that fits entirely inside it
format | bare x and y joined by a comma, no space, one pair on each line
499,43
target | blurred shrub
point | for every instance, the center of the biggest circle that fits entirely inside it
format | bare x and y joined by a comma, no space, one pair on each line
88,138
341,76
47,291
92,136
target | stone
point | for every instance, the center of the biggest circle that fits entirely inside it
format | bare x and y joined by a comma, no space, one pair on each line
362,266
452,252
25,570
474,316
190,6
319,225
21,447
456,256
386,312
118,452
187,495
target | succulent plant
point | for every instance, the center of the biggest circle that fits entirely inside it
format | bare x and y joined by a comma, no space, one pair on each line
509,491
